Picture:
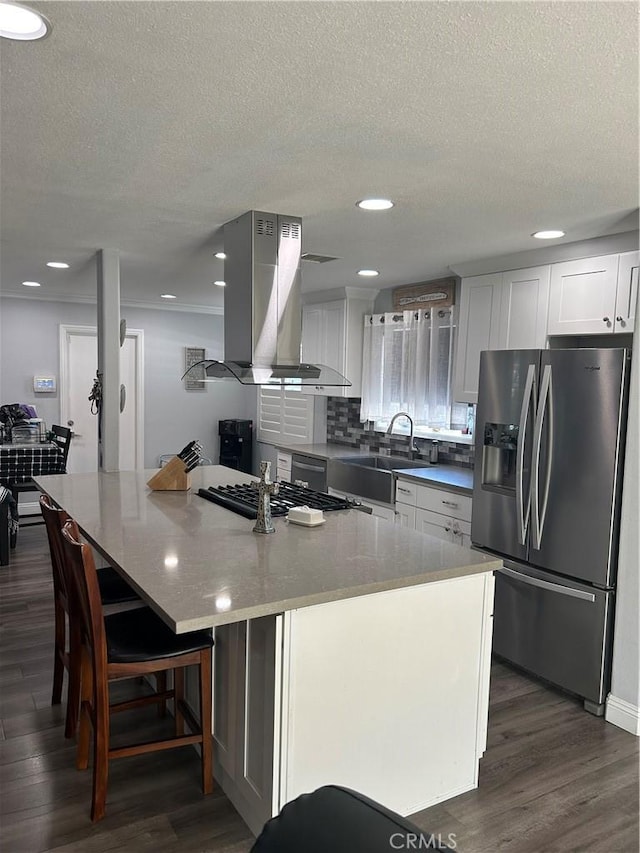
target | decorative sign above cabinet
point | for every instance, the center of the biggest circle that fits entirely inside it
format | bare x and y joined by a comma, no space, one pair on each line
438,293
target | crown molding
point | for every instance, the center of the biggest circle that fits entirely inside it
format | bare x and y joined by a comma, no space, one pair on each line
125,303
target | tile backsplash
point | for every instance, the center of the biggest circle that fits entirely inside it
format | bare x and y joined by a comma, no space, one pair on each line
344,427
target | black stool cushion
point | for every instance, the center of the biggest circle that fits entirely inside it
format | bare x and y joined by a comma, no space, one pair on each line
113,588
139,635
339,820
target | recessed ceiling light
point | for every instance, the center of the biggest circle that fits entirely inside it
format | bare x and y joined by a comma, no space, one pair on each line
58,265
548,235
31,283
368,272
375,204
220,283
21,23
221,255
167,296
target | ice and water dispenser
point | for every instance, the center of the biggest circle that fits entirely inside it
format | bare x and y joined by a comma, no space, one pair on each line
500,444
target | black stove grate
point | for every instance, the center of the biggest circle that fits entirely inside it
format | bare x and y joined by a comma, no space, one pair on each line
243,499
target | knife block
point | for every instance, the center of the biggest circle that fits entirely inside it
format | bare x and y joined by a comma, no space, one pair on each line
171,478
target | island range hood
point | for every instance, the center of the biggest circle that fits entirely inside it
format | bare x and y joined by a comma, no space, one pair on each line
262,306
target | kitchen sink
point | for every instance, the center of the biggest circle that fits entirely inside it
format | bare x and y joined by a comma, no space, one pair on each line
369,476
384,463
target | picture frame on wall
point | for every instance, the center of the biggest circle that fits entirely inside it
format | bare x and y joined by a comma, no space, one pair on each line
195,380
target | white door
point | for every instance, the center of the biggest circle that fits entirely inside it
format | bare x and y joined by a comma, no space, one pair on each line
78,366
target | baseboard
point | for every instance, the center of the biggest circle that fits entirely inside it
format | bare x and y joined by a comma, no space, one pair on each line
623,714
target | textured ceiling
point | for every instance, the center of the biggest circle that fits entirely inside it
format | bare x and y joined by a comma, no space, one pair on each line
144,126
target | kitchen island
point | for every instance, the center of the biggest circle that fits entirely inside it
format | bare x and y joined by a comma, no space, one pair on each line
355,652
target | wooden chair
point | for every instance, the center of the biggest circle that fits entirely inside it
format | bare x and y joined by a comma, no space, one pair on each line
113,590
123,645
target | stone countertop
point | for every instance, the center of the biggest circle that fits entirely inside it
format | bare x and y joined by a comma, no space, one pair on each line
199,565
450,477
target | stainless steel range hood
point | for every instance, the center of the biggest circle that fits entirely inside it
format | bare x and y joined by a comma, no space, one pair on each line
262,306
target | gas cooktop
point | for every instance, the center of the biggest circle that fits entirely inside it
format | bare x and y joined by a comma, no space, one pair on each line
243,499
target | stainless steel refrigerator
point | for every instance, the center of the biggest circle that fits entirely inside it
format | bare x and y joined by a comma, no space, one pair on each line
550,430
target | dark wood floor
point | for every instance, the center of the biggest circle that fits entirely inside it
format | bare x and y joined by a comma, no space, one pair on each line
553,779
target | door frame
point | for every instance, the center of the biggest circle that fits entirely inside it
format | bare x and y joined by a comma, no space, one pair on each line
91,331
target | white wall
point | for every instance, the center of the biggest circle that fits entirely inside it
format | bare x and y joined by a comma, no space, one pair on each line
29,330
623,706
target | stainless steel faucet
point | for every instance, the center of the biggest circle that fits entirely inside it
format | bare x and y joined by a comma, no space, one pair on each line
412,444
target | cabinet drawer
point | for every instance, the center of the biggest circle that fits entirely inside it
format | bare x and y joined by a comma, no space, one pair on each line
449,503
406,492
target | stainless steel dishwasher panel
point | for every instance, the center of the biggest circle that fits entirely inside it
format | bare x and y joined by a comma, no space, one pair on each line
310,470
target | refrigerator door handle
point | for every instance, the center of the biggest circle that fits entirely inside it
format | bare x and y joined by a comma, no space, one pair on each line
552,587
522,515
539,510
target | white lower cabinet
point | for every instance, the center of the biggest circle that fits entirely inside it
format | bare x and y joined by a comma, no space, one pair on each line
450,529
335,694
446,515
405,516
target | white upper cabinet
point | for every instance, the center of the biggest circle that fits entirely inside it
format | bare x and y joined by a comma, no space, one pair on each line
627,292
518,309
524,307
332,334
584,297
499,311
478,329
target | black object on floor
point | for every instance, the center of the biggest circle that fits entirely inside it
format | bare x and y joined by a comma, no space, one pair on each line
338,820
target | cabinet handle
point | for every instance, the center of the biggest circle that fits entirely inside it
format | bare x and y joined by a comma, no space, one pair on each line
448,529
406,491
450,503
621,321
606,320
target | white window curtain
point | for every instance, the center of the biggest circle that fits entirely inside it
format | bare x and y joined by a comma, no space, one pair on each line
407,364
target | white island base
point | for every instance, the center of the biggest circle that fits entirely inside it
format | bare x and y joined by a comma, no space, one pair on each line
386,693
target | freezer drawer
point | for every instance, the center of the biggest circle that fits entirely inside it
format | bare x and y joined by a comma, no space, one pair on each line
556,629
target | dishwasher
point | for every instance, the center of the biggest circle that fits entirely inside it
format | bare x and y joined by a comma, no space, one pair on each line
310,471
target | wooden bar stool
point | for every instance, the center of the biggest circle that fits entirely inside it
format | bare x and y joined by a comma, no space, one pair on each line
124,645
113,590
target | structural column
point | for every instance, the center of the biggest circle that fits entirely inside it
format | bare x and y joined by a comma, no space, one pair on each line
109,359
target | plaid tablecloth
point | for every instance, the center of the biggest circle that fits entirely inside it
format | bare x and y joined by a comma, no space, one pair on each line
20,462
